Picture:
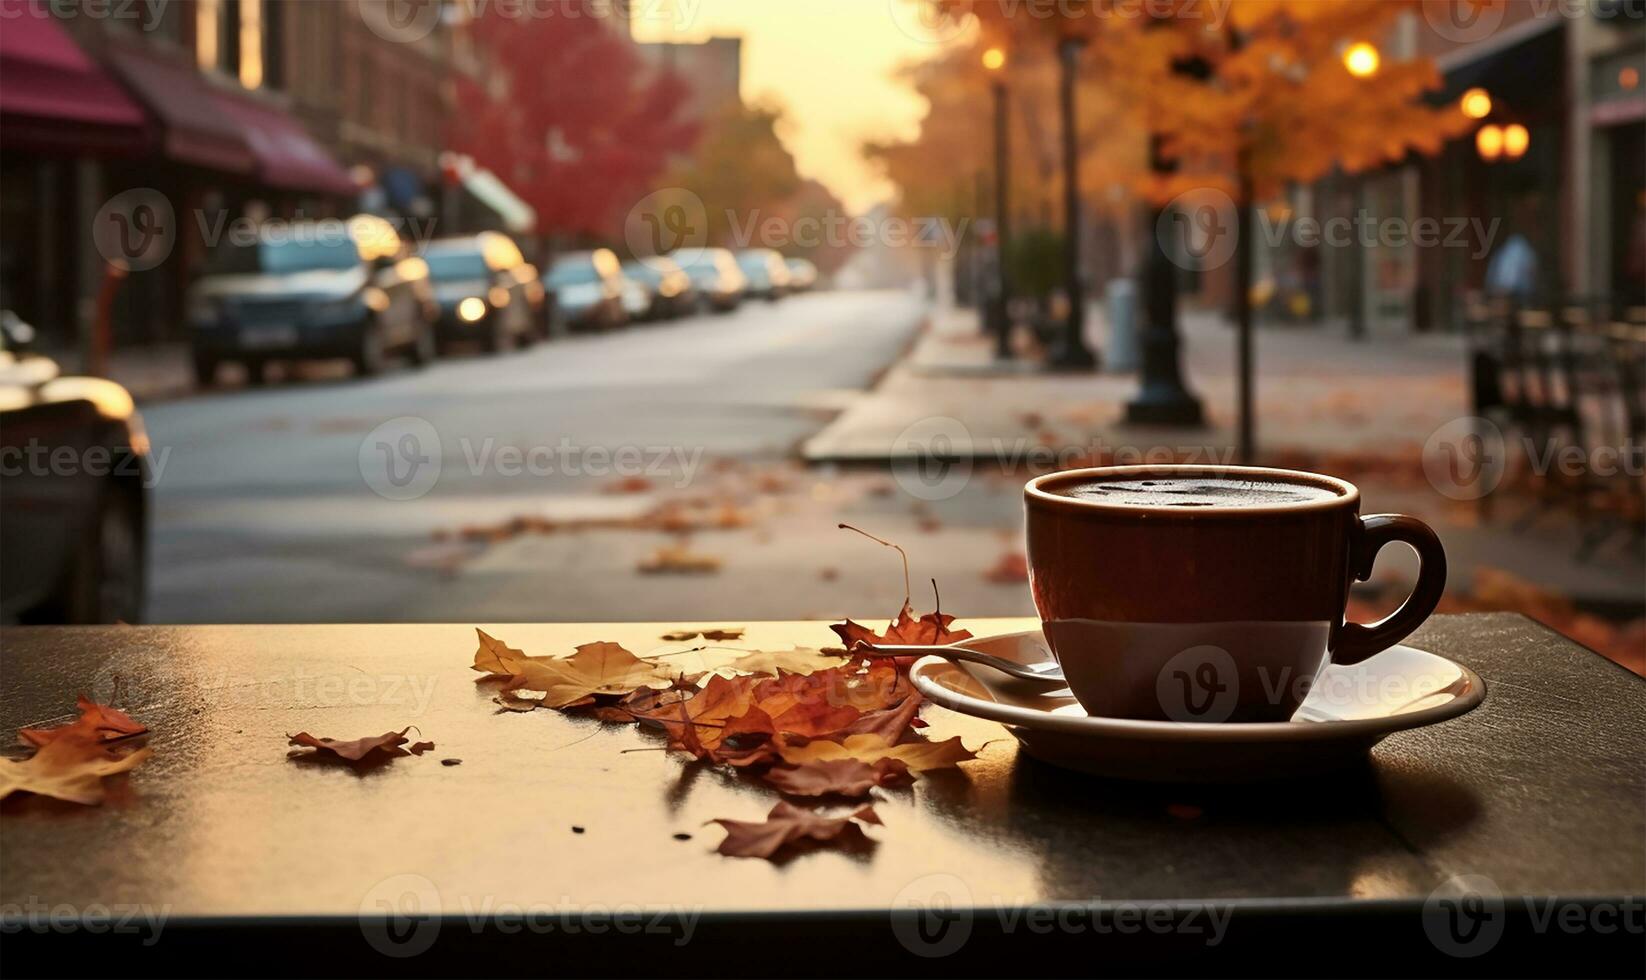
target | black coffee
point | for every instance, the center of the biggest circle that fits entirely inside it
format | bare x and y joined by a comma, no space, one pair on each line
1208,491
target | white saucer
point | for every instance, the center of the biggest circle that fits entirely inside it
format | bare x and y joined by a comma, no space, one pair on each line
1349,710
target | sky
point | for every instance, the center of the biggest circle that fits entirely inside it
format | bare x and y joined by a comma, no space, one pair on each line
830,63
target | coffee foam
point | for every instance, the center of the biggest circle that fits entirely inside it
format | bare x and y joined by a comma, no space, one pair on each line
1206,491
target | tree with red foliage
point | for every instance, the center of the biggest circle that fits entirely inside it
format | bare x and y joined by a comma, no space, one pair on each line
568,116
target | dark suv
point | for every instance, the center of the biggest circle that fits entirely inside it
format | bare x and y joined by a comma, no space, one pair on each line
311,291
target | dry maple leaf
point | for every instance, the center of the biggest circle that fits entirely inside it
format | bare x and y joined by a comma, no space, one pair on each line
919,756
797,660
839,777
72,759
595,669
105,722
387,744
69,767
788,824
931,629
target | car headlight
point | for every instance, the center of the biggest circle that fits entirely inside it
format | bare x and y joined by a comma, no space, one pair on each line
471,309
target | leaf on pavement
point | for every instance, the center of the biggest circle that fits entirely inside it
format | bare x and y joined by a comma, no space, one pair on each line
1011,569
839,777
917,755
678,559
387,745
99,719
788,824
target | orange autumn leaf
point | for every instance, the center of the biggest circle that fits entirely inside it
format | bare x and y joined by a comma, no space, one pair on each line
73,759
387,745
69,768
907,629
931,629
593,669
839,777
918,756
106,722
788,824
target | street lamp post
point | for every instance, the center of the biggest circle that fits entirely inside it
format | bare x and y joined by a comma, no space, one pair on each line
994,59
1072,354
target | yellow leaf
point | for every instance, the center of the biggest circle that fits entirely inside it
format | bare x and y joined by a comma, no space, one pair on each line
918,756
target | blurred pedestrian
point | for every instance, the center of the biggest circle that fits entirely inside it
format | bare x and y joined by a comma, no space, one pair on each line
1512,270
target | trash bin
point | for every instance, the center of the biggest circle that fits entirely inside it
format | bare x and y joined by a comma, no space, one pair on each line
1120,300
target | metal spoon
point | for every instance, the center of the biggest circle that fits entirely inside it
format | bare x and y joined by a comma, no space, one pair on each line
1045,672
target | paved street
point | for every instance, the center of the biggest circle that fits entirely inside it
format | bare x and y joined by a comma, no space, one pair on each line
264,513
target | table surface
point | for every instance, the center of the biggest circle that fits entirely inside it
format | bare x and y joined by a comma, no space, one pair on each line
1540,789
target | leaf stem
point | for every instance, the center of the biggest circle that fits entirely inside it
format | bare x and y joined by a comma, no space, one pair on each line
907,592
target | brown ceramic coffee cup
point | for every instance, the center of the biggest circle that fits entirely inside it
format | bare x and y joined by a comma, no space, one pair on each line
1209,593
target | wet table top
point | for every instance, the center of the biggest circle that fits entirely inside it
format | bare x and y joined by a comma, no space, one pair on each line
1540,792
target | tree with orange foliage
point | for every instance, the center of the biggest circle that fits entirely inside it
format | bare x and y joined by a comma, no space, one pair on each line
1245,99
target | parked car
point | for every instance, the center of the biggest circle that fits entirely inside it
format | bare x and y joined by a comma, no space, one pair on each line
487,292
74,473
669,289
587,289
802,275
719,283
310,291
768,274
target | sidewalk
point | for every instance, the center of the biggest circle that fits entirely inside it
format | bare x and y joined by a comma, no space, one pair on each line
1318,394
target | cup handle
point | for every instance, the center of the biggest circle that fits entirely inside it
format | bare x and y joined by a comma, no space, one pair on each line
1357,641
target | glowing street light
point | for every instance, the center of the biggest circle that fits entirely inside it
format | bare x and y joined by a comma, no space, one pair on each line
1361,59
1476,104
1515,141
994,59
1489,142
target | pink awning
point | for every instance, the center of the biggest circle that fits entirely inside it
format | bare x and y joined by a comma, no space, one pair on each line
193,127
287,156
53,97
